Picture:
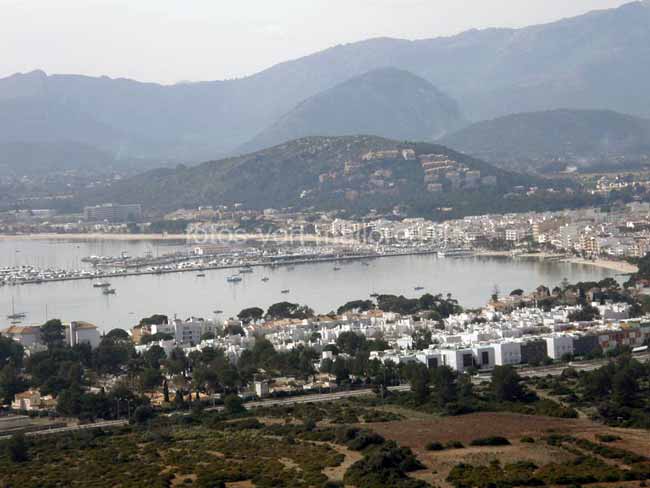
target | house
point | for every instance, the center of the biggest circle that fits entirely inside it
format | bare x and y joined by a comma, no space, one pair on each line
32,400
457,359
507,353
82,333
27,335
559,346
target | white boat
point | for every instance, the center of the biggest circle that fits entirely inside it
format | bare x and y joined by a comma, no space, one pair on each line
246,269
233,279
14,315
101,284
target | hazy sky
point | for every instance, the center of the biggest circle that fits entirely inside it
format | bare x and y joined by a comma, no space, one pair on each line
174,40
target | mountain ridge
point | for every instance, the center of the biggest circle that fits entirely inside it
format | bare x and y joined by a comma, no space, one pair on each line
596,60
385,102
574,137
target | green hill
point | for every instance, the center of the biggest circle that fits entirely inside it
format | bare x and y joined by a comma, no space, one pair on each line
324,173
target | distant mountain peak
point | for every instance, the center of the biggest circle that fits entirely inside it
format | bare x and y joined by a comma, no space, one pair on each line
385,101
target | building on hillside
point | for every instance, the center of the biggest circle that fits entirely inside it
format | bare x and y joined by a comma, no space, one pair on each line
32,400
507,353
559,346
113,213
534,351
26,335
82,333
457,359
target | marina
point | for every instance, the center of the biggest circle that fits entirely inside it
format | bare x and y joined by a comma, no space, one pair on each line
315,284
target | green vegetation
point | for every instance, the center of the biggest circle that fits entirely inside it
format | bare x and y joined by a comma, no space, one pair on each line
617,394
490,441
192,455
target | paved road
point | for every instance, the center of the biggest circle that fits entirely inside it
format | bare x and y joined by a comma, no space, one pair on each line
316,398
74,428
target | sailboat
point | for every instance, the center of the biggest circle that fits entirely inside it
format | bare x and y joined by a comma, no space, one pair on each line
14,315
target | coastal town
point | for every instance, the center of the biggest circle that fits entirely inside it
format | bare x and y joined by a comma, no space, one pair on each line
538,328
231,238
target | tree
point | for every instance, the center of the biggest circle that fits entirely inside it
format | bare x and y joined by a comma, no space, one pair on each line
356,306
157,337
112,356
10,384
624,387
444,385
53,333
418,376
506,384
587,313
249,315
176,363
154,356
10,351
119,335
151,379
350,342
422,339
286,310
341,370
18,448
142,414
155,320
234,405
233,329
166,392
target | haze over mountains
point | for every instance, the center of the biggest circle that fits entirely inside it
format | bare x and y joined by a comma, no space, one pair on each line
537,140
384,102
594,61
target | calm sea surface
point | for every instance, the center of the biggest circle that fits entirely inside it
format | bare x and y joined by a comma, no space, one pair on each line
470,280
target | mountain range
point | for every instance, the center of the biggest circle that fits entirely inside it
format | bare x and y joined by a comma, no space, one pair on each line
385,102
541,141
595,61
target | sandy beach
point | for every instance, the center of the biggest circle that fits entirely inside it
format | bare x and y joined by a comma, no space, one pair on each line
621,267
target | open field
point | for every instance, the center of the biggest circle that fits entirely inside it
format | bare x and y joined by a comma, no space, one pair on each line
417,431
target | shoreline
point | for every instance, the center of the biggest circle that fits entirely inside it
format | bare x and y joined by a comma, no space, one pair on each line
192,239
621,267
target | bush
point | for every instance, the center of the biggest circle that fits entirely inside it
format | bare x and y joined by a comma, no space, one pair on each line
607,438
454,445
18,448
435,446
233,404
491,441
143,414
528,440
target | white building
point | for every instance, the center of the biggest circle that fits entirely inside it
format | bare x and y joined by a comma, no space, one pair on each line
82,333
558,346
507,353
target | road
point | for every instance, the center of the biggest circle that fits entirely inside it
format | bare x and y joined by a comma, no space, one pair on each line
317,398
74,428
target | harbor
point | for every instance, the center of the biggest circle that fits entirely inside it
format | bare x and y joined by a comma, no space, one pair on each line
101,267
310,282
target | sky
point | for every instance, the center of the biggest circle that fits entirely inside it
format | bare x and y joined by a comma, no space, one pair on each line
169,41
